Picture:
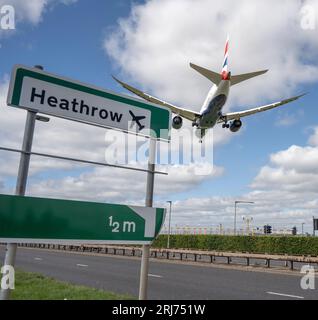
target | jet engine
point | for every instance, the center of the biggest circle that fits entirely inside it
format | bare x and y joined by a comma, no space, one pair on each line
177,122
236,125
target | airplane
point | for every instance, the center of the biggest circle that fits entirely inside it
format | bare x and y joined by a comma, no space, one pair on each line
137,121
211,111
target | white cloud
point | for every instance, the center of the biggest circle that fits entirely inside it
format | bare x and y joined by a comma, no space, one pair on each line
112,185
281,209
287,119
284,191
313,140
293,169
154,45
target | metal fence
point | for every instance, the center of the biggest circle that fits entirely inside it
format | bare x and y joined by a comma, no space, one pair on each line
220,230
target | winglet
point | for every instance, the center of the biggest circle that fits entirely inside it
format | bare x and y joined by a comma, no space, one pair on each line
302,95
117,80
297,97
129,88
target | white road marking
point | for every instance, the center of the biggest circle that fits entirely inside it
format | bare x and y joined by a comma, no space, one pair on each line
38,259
154,275
285,295
82,265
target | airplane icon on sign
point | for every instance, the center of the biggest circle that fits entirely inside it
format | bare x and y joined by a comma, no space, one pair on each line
137,120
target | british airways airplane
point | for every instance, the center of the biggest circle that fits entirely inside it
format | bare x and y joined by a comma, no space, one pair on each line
211,111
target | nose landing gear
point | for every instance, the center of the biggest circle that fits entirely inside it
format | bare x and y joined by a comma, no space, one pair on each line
200,133
195,124
225,125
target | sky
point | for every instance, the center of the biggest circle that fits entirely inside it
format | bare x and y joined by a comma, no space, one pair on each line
272,161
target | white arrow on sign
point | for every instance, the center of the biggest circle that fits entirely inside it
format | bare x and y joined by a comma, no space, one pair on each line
150,219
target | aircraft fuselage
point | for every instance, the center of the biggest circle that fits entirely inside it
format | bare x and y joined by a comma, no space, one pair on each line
212,108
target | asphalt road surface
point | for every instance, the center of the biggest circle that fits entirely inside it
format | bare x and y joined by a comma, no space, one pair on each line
167,281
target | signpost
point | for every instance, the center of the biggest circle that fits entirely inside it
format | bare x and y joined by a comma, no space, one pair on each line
39,220
35,220
315,225
43,92
143,285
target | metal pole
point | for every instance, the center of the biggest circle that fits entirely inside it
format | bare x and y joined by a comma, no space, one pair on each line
169,227
236,202
235,218
149,202
21,186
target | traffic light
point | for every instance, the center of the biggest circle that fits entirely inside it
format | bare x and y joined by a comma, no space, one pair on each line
267,229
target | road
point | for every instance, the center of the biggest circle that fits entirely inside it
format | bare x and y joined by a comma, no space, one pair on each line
167,281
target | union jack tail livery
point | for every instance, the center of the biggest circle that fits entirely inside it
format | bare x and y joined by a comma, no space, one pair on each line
225,70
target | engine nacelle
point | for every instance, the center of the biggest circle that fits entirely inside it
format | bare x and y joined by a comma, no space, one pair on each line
177,122
236,125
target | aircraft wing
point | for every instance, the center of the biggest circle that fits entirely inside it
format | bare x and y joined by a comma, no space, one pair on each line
187,114
238,115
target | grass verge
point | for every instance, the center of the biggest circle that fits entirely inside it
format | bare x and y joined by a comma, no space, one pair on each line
34,286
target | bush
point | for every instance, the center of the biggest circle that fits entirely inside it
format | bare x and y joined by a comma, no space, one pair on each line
257,244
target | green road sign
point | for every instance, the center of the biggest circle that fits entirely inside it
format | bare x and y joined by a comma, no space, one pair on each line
39,220
34,89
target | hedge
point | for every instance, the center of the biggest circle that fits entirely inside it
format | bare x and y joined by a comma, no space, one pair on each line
257,244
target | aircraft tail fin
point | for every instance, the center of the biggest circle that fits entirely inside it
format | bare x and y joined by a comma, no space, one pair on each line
216,78
225,67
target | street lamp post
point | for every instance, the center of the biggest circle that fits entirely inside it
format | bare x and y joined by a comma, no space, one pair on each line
235,206
302,228
221,228
169,225
248,221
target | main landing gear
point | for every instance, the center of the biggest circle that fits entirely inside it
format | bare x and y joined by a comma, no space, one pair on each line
225,124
